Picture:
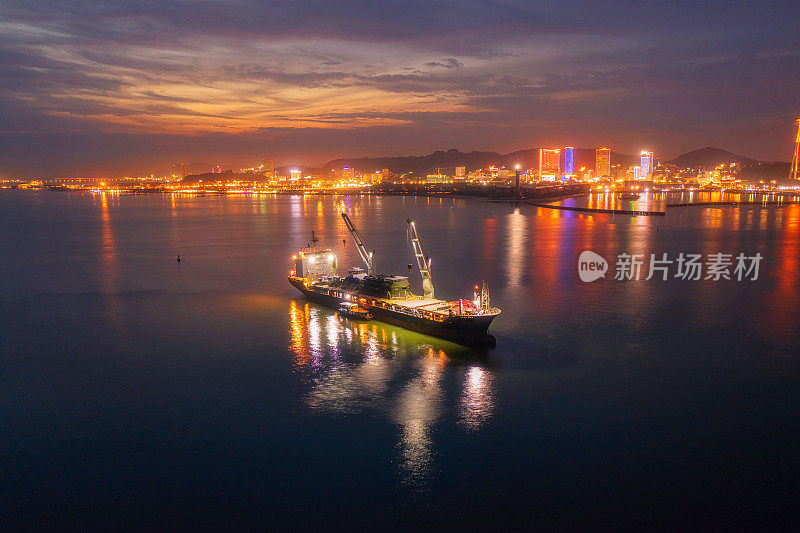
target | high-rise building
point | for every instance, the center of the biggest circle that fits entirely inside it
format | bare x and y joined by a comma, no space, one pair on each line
569,160
646,165
461,173
602,162
549,163
267,166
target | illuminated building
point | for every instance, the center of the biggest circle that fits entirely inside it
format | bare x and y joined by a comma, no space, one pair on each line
646,164
549,163
267,166
348,174
602,162
461,173
295,174
500,175
569,160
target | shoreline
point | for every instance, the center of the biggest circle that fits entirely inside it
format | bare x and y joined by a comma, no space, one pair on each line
544,194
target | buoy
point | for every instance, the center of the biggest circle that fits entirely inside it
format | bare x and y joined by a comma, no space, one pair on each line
179,258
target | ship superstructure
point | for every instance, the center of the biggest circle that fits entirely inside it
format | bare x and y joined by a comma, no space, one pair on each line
389,298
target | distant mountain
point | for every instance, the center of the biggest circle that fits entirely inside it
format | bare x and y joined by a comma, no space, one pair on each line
446,161
425,164
710,157
584,157
209,177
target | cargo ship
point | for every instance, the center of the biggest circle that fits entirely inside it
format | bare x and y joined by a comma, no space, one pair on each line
388,297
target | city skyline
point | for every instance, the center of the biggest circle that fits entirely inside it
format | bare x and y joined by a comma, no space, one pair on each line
116,88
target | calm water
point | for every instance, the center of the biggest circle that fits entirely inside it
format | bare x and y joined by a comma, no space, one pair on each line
139,392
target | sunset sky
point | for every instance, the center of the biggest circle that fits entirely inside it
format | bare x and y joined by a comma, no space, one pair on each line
124,87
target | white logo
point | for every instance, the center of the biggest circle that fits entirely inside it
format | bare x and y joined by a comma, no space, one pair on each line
591,266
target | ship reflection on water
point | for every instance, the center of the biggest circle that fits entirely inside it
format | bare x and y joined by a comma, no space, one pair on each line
375,369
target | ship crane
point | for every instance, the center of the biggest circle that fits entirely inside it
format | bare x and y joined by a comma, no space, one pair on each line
423,260
361,244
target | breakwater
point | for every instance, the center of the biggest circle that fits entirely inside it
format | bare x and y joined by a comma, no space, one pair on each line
487,191
748,202
598,210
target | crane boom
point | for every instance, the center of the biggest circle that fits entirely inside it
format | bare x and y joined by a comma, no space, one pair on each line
423,260
361,244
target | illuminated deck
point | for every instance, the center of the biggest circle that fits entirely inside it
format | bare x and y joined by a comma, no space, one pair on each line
413,305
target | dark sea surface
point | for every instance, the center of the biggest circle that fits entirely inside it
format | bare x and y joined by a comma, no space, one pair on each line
136,392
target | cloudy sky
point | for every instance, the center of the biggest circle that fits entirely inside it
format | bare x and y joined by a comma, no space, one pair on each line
127,87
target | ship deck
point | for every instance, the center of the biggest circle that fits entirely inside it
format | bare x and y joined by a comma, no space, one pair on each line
415,305
431,308
419,302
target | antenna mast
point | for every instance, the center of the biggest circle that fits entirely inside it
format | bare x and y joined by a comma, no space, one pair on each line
361,242
423,261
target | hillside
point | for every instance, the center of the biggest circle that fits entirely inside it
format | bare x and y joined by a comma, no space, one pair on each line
710,157
446,160
419,164
778,171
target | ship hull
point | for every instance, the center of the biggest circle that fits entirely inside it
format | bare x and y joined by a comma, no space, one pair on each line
469,331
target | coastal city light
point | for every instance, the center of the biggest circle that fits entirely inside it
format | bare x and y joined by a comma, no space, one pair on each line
593,168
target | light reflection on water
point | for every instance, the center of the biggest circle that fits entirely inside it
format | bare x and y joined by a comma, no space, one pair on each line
109,265
372,368
209,368
476,401
657,200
